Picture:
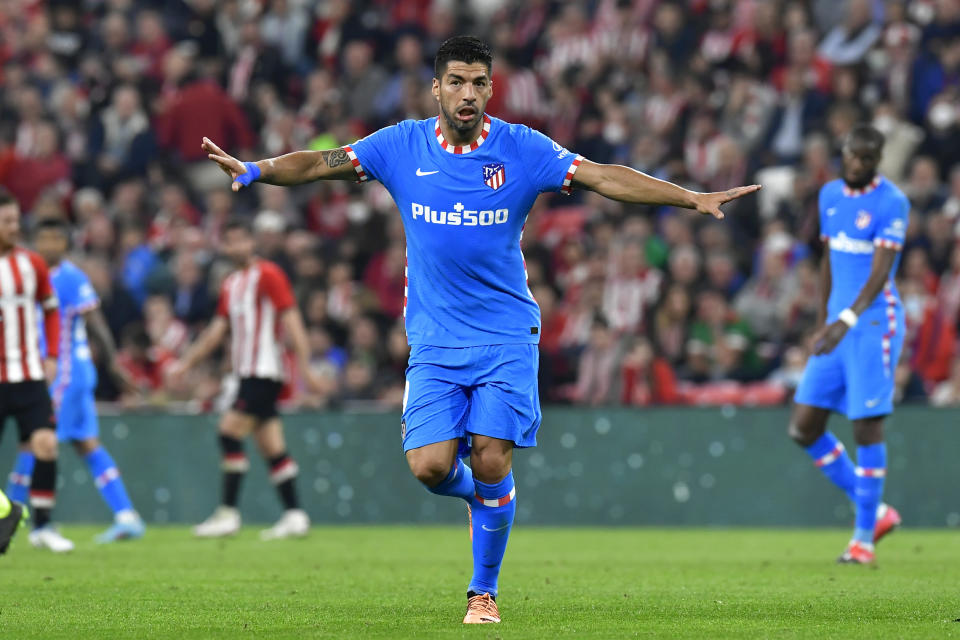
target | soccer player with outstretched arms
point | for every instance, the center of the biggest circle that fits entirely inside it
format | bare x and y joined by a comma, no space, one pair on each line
863,221
464,183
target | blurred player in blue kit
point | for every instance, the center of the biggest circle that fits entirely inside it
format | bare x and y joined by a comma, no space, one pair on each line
72,389
863,221
464,183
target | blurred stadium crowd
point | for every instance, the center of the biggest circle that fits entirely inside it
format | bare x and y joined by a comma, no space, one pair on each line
103,104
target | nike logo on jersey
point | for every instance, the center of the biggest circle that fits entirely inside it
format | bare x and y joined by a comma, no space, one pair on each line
831,211
426,173
872,403
486,528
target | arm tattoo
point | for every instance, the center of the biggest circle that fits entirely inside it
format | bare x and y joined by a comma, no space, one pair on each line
335,158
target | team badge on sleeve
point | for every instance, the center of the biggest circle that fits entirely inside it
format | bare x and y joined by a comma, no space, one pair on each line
494,175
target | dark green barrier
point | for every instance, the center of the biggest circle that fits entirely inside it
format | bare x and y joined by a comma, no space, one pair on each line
605,466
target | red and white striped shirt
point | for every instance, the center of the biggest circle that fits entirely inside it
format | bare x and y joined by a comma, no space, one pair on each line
25,283
253,299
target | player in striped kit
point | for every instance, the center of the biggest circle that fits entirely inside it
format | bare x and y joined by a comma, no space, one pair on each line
464,183
73,388
25,286
257,307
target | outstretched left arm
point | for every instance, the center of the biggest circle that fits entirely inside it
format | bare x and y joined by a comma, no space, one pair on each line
628,185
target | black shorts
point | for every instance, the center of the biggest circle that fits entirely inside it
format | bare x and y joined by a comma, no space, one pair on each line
28,403
257,397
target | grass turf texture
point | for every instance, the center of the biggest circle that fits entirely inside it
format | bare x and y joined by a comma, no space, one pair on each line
406,582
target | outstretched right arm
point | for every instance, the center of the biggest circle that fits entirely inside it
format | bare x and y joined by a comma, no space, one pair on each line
294,168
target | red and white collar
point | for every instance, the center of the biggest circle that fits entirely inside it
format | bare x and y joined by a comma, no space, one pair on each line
466,148
847,191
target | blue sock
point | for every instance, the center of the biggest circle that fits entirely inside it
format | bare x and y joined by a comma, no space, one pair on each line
108,481
458,483
18,487
871,472
829,454
494,506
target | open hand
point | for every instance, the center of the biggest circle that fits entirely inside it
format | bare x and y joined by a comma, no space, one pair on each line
709,203
230,165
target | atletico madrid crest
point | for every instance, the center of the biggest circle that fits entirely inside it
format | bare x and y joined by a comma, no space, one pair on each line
863,219
494,175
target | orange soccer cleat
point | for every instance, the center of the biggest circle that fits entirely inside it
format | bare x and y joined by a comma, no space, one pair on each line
887,520
857,553
481,609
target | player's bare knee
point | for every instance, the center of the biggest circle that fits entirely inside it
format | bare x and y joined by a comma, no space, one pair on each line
807,424
86,447
429,469
800,435
44,444
868,431
236,425
490,464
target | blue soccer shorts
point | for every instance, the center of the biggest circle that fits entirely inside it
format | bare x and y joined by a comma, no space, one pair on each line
453,393
856,378
76,413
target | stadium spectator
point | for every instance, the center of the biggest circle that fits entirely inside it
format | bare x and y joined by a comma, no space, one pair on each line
849,42
120,142
42,167
597,366
721,345
114,101
646,378
191,298
166,332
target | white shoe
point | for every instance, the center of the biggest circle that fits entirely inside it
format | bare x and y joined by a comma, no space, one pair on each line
295,523
49,538
225,521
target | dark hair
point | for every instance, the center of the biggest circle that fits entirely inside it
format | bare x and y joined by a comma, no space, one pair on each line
237,224
867,134
463,49
6,197
52,224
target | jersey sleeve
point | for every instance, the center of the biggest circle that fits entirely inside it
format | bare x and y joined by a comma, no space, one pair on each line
275,285
86,297
223,304
891,226
822,213
376,155
550,166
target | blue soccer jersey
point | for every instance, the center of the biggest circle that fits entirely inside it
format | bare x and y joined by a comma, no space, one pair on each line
75,368
853,223
856,378
463,210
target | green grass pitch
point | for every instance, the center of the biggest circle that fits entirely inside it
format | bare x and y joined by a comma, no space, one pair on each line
409,582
